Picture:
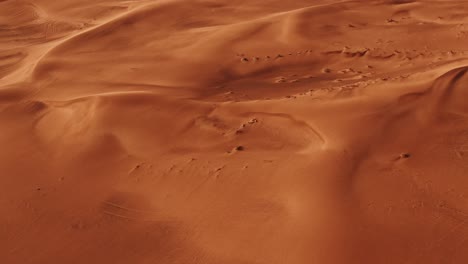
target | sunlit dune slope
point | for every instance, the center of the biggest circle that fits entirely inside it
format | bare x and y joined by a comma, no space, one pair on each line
235,132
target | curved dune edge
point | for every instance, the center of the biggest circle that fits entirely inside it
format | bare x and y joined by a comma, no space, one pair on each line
233,131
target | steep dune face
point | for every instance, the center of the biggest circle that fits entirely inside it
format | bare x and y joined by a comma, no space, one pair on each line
233,131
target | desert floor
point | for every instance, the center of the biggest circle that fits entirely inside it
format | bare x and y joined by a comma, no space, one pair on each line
233,132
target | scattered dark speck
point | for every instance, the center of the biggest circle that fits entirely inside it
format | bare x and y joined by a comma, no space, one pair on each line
405,155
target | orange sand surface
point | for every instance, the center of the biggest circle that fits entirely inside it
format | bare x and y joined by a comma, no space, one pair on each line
233,132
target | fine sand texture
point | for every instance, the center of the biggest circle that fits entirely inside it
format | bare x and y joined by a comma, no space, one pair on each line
233,132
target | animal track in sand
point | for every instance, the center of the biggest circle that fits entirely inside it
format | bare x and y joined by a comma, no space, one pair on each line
271,58
141,171
293,78
405,58
244,126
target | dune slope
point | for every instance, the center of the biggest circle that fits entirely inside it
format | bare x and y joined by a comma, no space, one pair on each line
241,131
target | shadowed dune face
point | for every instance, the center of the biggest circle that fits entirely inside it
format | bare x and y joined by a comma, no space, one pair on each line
233,131
450,89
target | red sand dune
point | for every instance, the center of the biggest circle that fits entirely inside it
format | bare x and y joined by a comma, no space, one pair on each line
233,131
